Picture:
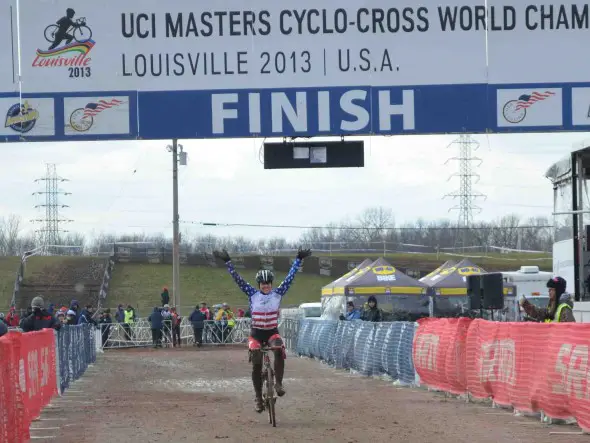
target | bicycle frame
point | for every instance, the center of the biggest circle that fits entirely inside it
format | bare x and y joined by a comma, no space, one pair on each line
268,394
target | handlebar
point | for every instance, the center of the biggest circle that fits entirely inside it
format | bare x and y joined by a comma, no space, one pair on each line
81,21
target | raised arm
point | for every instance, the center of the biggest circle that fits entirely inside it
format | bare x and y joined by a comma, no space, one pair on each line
286,283
248,289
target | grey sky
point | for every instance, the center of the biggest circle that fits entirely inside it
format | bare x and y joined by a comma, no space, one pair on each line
225,182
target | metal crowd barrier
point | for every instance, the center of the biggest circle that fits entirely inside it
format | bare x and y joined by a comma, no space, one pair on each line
371,349
139,334
76,350
289,330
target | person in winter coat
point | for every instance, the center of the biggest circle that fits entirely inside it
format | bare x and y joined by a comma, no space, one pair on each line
165,295
351,313
197,319
85,316
3,328
71,318
40,318
12,319
176,320
75,306
51,309
205,310
156,321
105,322
120,314
560,309
372,313
167,324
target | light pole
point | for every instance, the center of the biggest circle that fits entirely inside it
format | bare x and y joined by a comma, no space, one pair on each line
177,158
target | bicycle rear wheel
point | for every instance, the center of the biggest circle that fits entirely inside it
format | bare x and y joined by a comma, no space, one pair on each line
270,397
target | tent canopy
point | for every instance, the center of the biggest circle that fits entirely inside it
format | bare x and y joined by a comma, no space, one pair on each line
339,282
428,278
453,280
382,278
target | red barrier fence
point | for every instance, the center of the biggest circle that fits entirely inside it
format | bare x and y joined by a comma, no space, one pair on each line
27,381
530,366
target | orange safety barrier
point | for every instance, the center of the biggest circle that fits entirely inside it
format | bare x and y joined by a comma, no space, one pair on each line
27,381
531,366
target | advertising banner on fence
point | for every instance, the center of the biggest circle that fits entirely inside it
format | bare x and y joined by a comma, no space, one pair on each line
115,70
529,366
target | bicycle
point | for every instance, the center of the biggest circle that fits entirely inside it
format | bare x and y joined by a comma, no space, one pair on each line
81,32
269,397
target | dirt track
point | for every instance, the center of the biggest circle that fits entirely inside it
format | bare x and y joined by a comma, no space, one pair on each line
202,395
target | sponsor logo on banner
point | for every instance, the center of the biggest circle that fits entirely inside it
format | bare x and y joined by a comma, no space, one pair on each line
267,262
426,351
238,262
581,106
537,107
325,266
21,117
572,366
384,273
82,119
498,362
69,41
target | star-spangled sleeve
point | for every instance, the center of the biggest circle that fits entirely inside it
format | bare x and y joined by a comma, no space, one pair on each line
286,284
243,284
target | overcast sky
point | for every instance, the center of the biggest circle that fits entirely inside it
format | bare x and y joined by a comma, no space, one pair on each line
127,186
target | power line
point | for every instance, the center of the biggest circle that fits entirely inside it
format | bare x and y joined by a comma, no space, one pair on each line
356,228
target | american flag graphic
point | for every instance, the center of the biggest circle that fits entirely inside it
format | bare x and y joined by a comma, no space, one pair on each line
526,101
92,109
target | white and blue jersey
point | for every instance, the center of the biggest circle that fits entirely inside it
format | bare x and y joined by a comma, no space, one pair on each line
264,308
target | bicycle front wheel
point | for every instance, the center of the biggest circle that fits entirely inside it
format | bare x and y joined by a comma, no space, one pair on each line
50,33
270,397
82,34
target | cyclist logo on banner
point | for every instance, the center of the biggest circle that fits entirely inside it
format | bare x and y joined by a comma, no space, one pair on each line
82,119
21,117
70,41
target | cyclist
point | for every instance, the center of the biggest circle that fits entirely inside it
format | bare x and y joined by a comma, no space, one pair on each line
264,304
63,24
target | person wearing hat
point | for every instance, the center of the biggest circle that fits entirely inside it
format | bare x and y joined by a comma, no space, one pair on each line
165,295
560,309
40,318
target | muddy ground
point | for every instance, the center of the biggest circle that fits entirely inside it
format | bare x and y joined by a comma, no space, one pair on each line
205,395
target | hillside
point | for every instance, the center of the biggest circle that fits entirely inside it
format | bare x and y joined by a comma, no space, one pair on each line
8,269
141,285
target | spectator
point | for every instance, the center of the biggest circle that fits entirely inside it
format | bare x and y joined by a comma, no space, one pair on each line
85,316
176,320
560,307
105,322
155,320
165,296
75,306
3,328
351,313
61,317
2,319
372,313
13,320
120,314
167,324
40,318
129,320
205,310
51,309
71,318
197,319
240,313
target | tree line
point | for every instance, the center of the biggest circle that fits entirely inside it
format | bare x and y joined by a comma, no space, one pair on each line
374,229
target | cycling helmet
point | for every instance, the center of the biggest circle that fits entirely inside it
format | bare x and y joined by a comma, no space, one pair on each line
70,12
264,276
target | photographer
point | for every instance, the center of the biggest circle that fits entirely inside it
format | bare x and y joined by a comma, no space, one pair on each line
40,318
